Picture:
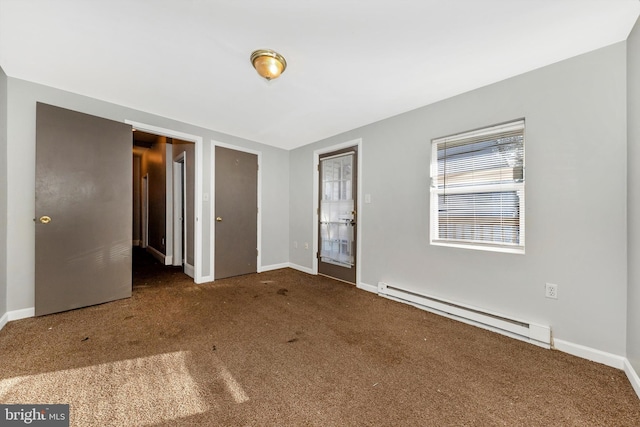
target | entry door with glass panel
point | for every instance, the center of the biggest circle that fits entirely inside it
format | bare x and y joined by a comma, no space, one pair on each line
337,228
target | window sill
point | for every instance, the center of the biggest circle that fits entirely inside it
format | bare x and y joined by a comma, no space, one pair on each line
480,247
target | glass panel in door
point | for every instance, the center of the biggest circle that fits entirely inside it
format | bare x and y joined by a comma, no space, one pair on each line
337,216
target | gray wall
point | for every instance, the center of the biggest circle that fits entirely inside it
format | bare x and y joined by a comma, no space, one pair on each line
22,97
633,152
3,193
576,193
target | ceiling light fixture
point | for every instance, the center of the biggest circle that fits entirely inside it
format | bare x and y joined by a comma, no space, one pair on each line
268,64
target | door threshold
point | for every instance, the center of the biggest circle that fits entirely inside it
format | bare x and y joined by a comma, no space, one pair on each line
335,278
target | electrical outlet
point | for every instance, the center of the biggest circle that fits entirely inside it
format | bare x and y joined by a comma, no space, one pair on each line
551,291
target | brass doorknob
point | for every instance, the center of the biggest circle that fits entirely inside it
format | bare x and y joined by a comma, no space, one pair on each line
45,219
219,219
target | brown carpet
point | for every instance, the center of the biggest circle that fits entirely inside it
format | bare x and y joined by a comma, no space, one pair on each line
283,348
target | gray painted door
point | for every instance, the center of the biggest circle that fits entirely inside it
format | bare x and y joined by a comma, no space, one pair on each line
83,223
337,228
236,229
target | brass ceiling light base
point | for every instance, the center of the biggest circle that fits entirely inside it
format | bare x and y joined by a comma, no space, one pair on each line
268,63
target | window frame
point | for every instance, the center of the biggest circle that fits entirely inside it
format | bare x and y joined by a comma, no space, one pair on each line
518,187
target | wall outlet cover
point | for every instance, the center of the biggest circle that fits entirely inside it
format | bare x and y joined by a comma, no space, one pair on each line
551,290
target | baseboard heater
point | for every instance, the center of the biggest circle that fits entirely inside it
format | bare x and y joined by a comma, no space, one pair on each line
515,328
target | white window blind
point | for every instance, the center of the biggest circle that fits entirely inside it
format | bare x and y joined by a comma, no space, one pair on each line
477,189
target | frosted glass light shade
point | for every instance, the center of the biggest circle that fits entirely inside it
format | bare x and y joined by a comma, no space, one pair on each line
268,64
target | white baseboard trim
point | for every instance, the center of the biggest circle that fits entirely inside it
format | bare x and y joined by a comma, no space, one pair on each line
168,260
599,356
367,287
272,267
189,270
16,315
204,279
589,353
156,254
301,268
634,379
21,314
3,320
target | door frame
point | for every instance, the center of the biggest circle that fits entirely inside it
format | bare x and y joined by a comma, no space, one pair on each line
144,212
316,203
180,210
215,144
198,194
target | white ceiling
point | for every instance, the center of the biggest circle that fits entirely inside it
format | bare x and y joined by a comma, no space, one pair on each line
350,62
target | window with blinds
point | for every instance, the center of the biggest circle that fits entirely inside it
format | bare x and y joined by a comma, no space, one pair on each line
477,189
